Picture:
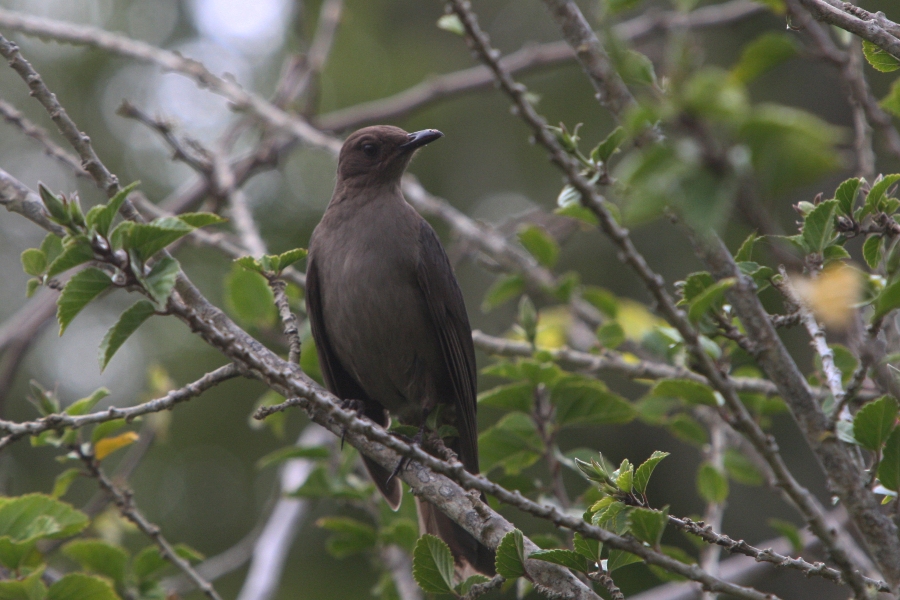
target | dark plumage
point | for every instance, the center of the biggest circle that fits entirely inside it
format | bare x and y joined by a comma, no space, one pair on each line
387,315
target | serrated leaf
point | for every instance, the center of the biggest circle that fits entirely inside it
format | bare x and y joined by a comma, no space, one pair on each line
149,238
98,557
874,422
160,281
709,297
107,446
584,401
84,405
34,262
510,562
463,588
202,219
642,473
101,218
818,226
512,443
846,195
75,252
609,146
504,289
52,247
624,476
513,396
291,452
249,263
566,558
879,58
741,469
78,586
648,525
692,392
27,588
876,195
249,298
81,289
745,252
539,244
711,484
588,547
286,259
127,324
887,300
872,251
889,468
26,519
433,565
620,558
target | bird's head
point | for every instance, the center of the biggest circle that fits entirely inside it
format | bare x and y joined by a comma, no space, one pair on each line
378,155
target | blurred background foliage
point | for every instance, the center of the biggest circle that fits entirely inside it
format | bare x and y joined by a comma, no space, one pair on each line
199,481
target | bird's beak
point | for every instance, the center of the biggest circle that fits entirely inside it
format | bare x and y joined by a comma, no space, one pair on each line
420,138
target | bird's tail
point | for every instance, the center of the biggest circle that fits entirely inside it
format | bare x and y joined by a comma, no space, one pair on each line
470,555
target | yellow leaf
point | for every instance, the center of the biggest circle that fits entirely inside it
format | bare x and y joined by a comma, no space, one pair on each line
107,446
832,296
636,320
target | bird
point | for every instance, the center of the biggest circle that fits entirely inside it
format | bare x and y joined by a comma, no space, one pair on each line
388,318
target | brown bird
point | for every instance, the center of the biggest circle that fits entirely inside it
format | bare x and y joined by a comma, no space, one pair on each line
388,317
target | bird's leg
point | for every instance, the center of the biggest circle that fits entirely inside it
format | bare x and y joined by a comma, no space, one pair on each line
416,440
357,406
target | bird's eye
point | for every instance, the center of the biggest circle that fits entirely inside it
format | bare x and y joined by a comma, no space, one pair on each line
370,149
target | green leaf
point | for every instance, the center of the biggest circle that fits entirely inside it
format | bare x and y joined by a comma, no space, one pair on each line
160,281
584,401
149,238
31,287
588,547
642,473
505,288
609,146
711,484
452,24
818,227
620,558
106,428
291,452
539,244
510,562
288,258
611,335
148,563
686,428
202,219
98,557
34,262
891,102
101,220
624,476
64,481
692,392
55,206
889,468
607,511
745,252
52,247
567,558
741,469
694,285
602,299
81,289
351,536
887,300
872,251
187,553
876,195
880,59
513,443
648,524
249,263
28,588
84,405
463,588
513,396
249,298
78,586
763,54
710,297
127,324
874,422
26,519
76,251
846,195
433,565
789,531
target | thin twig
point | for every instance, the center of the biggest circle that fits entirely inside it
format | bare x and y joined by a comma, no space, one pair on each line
39,134
288,319
124,500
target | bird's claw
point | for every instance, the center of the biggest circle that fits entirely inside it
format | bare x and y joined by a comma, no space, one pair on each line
356,406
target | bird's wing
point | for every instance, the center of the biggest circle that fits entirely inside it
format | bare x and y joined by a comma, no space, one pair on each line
344,386
448,315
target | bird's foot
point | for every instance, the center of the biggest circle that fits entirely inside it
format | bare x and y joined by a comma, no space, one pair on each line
357,406
416,440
